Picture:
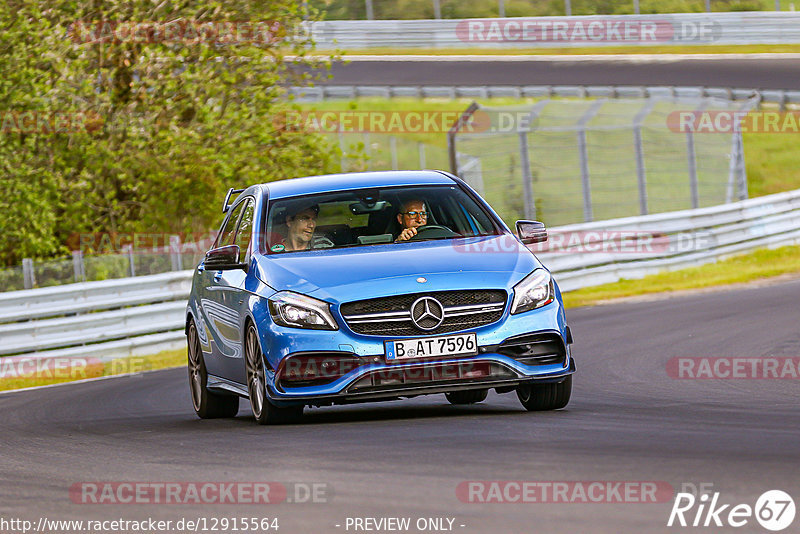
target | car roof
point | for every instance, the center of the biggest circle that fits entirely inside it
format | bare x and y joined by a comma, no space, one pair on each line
355,180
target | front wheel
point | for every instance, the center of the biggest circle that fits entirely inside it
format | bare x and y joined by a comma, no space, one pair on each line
540,397
263,410
207,405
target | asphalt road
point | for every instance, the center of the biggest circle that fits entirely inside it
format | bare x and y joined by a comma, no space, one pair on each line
739,72
628,421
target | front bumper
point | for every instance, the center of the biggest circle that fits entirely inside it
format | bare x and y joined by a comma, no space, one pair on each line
375,378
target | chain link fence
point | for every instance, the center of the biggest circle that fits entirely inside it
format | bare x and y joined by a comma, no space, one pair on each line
569,161
383,152
89,268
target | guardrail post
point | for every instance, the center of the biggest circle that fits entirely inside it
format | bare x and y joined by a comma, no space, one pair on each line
370,11
636,7
501,8
708,6
437,9
567,7
77,266
29,279
175,252
421,149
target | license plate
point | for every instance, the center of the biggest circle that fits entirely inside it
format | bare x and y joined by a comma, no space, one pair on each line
432,347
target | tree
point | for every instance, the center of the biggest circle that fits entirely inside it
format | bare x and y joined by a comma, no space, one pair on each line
166,106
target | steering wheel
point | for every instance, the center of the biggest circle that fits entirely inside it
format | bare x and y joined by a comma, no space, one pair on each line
431,231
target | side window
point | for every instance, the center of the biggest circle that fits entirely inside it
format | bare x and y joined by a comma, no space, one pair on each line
245,232
227,234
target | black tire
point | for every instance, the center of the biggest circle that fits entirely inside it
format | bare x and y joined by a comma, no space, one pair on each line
264,411
207,405
470,396
540,397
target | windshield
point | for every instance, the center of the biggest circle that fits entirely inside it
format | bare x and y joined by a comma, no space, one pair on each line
372,217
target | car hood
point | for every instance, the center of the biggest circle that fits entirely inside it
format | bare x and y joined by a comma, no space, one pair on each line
346,274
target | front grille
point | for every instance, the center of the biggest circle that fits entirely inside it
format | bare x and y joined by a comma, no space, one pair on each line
391,316
536,349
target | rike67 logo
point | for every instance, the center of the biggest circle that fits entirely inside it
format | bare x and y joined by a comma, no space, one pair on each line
774,510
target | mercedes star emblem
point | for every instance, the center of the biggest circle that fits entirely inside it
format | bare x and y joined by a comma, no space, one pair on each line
427,313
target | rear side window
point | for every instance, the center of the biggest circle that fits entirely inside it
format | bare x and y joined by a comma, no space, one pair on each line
245,232
228,232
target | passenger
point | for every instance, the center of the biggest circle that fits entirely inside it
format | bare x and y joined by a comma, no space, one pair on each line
412,216
301,225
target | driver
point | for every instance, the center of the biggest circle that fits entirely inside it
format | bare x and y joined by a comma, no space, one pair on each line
412,215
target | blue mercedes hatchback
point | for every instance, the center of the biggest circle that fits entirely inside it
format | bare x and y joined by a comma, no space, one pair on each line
369,287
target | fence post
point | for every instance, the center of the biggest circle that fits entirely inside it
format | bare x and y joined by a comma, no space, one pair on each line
451,136
370,12
29,279
131,259
708,6
77,266
636,7
588,215
437,9
567,7
743,192
342,149
692,160
421,148
393,150
175,252
527,176
641,172
501,8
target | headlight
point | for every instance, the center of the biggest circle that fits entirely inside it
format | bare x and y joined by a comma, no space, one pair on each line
299,311
534,291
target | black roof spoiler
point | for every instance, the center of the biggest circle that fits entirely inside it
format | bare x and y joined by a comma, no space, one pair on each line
231,191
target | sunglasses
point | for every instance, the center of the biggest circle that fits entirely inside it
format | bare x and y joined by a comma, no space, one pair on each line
413,214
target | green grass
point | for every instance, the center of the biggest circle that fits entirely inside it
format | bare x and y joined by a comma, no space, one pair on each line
560,51
758,265
133,364
773,162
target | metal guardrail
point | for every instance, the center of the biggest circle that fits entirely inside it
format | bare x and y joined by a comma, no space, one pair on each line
324,92
669,241
733,28
117,318
99,320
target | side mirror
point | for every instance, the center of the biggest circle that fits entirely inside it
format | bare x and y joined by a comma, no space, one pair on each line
531,232
223,259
